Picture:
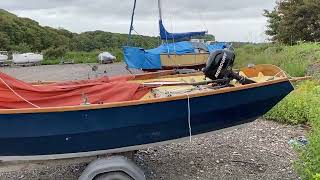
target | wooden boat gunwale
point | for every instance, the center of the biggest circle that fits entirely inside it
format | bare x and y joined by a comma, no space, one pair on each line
174,54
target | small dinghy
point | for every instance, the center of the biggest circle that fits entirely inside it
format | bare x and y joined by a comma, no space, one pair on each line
117,114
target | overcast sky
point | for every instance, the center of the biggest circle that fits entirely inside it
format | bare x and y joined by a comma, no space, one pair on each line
228,20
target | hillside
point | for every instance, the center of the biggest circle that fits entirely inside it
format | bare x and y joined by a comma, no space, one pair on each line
24,34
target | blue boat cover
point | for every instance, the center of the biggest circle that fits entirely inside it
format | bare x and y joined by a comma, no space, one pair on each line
173,48
215,46
139,58
165,35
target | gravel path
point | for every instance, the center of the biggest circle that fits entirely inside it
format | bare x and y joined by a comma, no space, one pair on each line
259,150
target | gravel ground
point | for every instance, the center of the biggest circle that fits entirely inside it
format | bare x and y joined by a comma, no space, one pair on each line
260,150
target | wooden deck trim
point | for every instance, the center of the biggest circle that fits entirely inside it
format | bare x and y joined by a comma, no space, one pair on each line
138,102
189,54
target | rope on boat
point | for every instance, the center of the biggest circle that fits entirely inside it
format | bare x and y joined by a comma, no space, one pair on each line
18,94
189,119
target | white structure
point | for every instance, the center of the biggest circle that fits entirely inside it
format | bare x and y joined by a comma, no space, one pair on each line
106,57
3,58
210,42
27,58
197,40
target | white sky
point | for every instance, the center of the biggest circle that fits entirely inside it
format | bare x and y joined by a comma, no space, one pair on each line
228,20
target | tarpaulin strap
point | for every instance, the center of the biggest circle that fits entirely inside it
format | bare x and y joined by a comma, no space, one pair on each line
18,94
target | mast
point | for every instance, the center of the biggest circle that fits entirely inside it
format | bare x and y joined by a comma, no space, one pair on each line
159,7
131,24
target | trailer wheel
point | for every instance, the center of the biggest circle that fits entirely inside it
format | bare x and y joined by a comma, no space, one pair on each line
113,176
112,168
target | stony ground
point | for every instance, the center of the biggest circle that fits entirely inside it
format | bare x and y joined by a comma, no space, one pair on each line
259,150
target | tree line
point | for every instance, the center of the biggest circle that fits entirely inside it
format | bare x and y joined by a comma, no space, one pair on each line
25,35
292,21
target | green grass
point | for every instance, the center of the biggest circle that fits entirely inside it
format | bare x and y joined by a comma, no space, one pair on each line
292,59
84,57
303,106
296,108
308,164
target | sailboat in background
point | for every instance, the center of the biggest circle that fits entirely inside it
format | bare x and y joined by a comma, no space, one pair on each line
173,53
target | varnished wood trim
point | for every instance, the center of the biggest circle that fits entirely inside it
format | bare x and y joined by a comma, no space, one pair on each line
144,76
139,102
295,79
189,54
265,69
181,75
153,75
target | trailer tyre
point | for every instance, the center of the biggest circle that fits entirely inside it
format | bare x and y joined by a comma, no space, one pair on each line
113,176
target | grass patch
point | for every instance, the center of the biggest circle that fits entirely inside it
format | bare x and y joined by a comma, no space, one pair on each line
79,57
292,59
296,107
308,164
303,106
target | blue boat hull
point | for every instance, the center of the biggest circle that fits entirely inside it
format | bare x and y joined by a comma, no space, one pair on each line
32,134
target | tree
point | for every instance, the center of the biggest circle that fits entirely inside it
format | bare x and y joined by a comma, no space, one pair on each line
294,20
26,35
21,48
4,41
55,53
274,20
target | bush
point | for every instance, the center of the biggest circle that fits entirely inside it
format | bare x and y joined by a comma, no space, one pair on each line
22,48
295,108
82,57
55,53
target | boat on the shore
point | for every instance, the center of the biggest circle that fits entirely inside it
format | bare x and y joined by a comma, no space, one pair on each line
27,58
3,56
117,114
177,51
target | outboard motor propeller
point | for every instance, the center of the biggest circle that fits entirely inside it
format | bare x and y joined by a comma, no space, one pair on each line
219,66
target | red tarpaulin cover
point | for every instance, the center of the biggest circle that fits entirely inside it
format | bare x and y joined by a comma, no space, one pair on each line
15,94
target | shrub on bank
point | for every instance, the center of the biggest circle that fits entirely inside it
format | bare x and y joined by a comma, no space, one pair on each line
296,107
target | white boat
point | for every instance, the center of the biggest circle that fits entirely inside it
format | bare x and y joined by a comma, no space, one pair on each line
27,58
3,57
106,57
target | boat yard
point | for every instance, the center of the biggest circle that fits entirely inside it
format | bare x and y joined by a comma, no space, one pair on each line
265,154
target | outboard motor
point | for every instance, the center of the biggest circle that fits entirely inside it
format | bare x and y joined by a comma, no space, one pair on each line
219,66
